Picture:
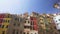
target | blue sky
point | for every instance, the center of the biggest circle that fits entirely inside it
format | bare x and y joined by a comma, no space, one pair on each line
22,6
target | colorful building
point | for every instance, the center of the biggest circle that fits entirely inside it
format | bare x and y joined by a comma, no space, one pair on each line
26,26
30,24
41,24
16,25
34,25
4,23
46,25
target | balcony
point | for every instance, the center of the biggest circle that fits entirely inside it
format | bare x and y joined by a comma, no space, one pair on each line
26,24
26,29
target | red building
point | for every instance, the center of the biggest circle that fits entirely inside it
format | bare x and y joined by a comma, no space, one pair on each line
2,15
1,18
34,26
34,23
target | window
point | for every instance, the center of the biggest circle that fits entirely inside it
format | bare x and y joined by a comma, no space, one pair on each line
31,27
17,32
25,21
35,33
31,18
54,27
8,20
27,32
31,22
4,20
20,19
55,18
17,19
47,17
3,32
24,33
56,21
8,16
2,26
1,20
26,26
20,32
59,19
41,23
14,24
18,24
13,31
41,19
28,21
31,33
7,26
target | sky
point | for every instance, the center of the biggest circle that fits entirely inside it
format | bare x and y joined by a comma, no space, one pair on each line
22,6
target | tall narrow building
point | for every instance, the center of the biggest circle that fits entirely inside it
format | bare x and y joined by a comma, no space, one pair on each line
16,25
26,26
4,23
34,25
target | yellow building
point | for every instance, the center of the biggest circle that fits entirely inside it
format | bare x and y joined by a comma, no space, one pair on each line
4,25
42,21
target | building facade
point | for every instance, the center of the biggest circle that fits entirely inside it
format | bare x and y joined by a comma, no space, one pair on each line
27,24
4,23
16,25
34,25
